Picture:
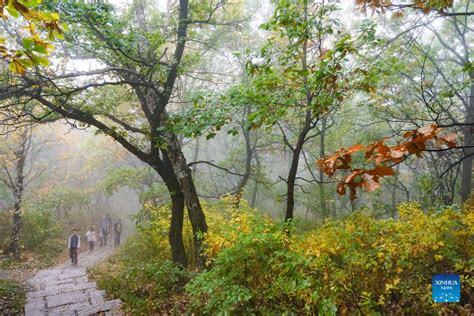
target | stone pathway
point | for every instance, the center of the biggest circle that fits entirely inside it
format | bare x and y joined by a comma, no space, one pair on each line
66,290
4,275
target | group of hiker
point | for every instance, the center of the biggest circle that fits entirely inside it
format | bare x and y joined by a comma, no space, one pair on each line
105,229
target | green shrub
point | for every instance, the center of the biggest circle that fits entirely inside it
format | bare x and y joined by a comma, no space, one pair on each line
259,273
39,228
12,298
359,265
141,273
143,287
41,233
141,276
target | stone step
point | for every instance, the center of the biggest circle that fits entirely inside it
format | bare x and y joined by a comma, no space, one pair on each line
66,290
112,306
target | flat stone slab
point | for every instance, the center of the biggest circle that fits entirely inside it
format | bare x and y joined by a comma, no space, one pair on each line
71,274
35,308
70,287
96,297
107,306
70,309
66,298
66,290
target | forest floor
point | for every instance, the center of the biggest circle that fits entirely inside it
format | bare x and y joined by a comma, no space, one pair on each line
66,290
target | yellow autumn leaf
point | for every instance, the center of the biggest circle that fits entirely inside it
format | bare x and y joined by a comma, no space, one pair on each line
16,67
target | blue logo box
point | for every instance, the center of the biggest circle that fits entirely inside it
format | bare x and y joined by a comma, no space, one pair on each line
446,288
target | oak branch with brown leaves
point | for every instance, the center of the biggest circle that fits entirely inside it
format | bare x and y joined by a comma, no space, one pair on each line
382,157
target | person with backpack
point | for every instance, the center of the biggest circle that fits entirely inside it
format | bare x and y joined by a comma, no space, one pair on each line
117,232
105,226
109,224
74,242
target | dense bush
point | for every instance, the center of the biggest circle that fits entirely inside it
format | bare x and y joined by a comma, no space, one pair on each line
12,297
254,270
47,219
357,265
144,287
41,232
141,273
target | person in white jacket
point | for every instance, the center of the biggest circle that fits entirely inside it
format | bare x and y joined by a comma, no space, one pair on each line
73,243
91,238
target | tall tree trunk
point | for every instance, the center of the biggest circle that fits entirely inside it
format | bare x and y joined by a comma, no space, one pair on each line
296,151
176,229
165,170
255,189
254,195
16,231
174,151
394,193
14,246
184,175
290,190
393,203
291,180
322,198
466,174
196,155
248,166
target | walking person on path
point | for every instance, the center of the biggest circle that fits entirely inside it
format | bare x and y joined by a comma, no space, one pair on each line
91,238
101,237
109,225
73,243
105,226
117,231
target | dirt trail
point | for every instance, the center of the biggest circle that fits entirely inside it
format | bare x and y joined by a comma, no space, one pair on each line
66,290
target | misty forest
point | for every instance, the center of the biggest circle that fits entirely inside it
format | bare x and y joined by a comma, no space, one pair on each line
247,157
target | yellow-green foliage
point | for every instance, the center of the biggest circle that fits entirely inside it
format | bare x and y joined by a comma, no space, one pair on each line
41,235
141,273
358,265
153,232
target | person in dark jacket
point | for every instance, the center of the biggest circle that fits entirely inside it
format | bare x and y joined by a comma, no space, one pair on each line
73,243
109,224
117,232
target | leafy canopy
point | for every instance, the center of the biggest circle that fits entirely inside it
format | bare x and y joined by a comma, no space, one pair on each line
38,26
